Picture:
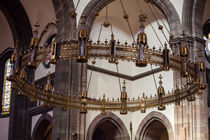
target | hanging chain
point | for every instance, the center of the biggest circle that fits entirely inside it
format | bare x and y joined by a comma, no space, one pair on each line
91,72
126,18
155,33
160,18
118,77
157,22
154,77
106,13
99,35
140,11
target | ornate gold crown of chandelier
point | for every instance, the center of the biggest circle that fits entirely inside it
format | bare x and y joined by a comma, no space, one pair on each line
113,51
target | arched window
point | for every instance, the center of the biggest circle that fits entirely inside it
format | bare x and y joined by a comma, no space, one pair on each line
5,85
206,37
6,89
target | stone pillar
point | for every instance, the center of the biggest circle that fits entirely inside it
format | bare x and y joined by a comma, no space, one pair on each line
200,106
67,123
68,80
19,115
191,118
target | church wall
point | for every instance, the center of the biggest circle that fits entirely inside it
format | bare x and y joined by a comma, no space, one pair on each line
4,129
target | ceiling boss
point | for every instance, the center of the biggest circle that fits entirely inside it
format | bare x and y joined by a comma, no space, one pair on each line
84,49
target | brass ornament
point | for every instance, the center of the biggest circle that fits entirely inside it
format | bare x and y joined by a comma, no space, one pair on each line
103,104
48,86
53,57
160,27
123,99
106,24
114,52
191,98
201,66
143,106
73,14
166,59
161,107
84,100
199,92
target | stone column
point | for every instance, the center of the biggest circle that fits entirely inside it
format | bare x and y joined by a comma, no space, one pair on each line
191,118
200,107
68,80
19,115
67,123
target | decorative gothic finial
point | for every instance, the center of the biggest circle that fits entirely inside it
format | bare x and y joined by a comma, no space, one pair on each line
48,86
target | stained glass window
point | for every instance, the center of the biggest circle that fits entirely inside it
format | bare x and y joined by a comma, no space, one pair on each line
207,44
6,89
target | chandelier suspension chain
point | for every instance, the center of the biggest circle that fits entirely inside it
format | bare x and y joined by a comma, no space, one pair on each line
99,35
157,22
106,12
155,33
126,18
154,77
91,72
160,18
151,26
118,77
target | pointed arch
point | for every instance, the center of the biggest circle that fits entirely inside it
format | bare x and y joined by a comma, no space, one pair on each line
112,119
43,127
164,5
154,117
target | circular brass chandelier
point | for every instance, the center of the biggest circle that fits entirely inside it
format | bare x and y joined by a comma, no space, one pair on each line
83,49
